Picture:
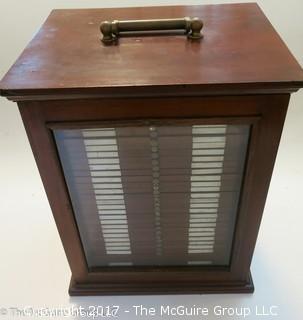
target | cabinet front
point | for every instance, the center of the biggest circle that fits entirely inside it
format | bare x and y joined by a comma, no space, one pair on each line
155,195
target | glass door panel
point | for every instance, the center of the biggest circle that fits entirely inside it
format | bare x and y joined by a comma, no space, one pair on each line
155,196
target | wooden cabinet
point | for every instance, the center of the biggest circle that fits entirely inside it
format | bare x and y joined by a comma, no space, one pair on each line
156,150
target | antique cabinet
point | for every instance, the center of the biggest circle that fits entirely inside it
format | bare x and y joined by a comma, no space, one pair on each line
156,141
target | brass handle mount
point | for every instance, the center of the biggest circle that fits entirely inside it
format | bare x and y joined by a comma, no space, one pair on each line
111,30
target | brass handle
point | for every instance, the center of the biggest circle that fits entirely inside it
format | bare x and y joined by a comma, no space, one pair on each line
112,30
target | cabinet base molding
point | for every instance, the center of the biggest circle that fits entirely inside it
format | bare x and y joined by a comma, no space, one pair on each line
96,289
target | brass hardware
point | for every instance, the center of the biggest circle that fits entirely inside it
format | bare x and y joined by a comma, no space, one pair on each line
112,30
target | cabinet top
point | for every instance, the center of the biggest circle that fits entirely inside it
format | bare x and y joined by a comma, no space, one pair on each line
240,52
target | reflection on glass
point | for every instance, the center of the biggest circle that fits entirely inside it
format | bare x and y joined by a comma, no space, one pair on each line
161,195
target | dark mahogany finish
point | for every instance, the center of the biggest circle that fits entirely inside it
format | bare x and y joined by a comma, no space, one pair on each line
240,52
239,73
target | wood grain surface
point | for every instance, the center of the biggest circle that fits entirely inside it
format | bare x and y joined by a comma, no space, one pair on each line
240,51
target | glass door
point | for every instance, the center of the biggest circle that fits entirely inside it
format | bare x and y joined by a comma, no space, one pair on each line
163,195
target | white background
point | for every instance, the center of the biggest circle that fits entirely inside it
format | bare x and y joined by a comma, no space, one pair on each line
33,267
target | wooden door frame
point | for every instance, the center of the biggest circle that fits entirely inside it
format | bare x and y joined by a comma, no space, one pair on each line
265,114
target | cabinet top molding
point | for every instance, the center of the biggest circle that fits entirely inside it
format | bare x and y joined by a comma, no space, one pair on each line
239,53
